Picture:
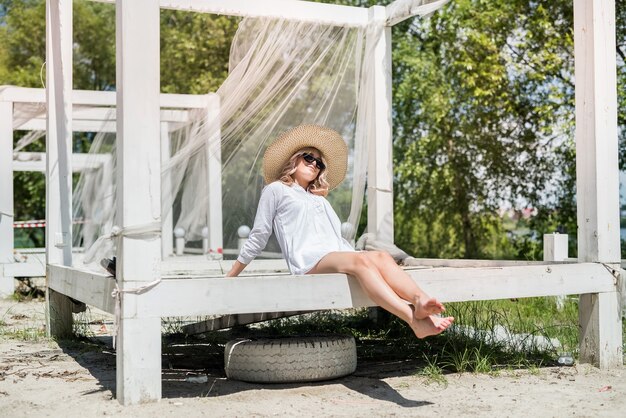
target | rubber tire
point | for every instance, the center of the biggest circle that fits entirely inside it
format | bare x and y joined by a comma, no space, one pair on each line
292,359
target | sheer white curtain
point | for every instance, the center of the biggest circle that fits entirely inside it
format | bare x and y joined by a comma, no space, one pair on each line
281,74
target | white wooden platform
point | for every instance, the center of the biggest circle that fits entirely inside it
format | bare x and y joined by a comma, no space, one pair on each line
208,292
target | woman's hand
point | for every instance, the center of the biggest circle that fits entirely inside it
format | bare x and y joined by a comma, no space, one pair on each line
236,269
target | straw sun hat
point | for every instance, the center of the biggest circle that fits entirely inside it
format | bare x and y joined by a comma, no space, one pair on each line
328,141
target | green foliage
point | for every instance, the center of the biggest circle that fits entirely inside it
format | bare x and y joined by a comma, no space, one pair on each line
194,51
482,91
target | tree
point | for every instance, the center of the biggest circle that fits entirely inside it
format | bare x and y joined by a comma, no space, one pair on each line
483,115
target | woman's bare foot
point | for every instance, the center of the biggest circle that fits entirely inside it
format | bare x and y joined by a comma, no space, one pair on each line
431,325
423,308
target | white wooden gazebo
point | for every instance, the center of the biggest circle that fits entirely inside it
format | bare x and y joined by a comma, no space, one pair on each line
24,109
145,291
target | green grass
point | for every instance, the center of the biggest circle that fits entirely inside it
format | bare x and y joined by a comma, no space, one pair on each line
538,332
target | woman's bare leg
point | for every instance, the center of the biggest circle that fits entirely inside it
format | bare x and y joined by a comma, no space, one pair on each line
404,285
375,286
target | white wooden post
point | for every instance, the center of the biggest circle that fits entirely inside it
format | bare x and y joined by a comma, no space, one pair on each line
138,195
597,174
214,173
6,196
167,229
380,168
555,249
58,156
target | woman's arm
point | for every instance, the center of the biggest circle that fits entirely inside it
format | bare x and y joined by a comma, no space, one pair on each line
261,231
236,269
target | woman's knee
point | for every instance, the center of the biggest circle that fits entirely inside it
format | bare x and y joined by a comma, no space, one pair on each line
380,257
359,262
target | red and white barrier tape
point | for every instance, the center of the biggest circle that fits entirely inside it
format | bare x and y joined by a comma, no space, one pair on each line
29,224
40,223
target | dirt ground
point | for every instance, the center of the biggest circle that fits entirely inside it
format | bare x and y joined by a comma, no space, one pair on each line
39,377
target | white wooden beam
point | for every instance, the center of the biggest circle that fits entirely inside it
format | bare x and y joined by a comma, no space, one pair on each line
91,288
167,223
184,296
36,161
380,167
219,295
138,195
59,132
6,196
59,150
31,268
401,10
597,173
214,173
555,248
600,319
102,120
77,126
443,262
98,98
296,10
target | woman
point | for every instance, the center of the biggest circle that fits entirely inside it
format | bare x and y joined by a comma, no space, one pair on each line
300,167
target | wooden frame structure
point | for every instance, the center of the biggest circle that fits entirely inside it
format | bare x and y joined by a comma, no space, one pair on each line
93,111
146,292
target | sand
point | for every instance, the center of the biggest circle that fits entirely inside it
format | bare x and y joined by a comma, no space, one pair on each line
39,377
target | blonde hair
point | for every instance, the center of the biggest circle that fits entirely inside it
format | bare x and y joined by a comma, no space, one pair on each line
319,186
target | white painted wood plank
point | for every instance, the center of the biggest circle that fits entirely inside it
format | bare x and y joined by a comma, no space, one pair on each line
278,293
200,266
30,269
6,196
36,161
380,167
104,125
22,94
601,330
101,114
138,174
139,367
214,172
442,262
296,10
59,131
597,173
59,149
555,247
252,294
77,126
99,98
138,195
401,10
91,288
6,185
167,228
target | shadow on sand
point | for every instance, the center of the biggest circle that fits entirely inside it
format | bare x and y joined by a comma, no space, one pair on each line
183,361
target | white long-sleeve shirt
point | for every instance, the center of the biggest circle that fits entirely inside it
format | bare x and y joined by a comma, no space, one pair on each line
306,227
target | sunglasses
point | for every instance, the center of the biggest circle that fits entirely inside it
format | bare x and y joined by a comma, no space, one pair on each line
309,159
